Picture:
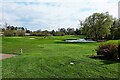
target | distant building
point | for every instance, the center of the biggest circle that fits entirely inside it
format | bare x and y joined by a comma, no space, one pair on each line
1,33
27,34
119,9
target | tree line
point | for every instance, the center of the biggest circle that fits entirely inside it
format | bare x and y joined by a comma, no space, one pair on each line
59,32
100,26
9,30
97,26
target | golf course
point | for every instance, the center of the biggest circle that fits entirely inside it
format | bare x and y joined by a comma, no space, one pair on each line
52,57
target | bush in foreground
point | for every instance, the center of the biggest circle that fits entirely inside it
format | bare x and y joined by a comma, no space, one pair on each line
108,51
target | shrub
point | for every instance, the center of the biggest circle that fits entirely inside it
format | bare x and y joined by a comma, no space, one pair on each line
108,51
59,33
119,51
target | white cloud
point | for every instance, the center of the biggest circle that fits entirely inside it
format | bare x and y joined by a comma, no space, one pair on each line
52,14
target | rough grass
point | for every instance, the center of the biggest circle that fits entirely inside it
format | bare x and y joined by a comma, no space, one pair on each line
113,42
51,57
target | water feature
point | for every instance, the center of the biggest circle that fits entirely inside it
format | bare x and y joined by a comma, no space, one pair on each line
80,40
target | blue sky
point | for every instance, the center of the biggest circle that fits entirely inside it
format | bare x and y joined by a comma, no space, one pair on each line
52,14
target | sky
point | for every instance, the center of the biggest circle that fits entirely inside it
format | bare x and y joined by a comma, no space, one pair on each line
52,14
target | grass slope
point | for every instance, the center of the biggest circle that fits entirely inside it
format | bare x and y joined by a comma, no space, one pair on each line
51,57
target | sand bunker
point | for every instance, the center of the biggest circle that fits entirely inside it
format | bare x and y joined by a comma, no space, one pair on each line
31,38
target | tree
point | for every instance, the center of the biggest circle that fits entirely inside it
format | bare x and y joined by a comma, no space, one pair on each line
45,33
6,25
38,30
13,31
53,32
28,31
63,30
58,33
77,31
70,31
9,33
97,26
115,34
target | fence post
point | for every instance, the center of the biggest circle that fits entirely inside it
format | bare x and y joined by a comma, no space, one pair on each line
21,51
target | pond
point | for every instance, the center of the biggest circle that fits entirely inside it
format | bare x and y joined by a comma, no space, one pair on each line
79,40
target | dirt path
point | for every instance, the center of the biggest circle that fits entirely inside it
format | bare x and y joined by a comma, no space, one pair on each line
4,56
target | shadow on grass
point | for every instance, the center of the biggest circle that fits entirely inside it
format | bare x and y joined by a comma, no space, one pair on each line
74,42
13,53
105,61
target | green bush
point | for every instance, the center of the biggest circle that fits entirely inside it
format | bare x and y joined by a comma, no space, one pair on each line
119,51
108,51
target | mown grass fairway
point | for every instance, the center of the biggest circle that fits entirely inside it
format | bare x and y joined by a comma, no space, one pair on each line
51,57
